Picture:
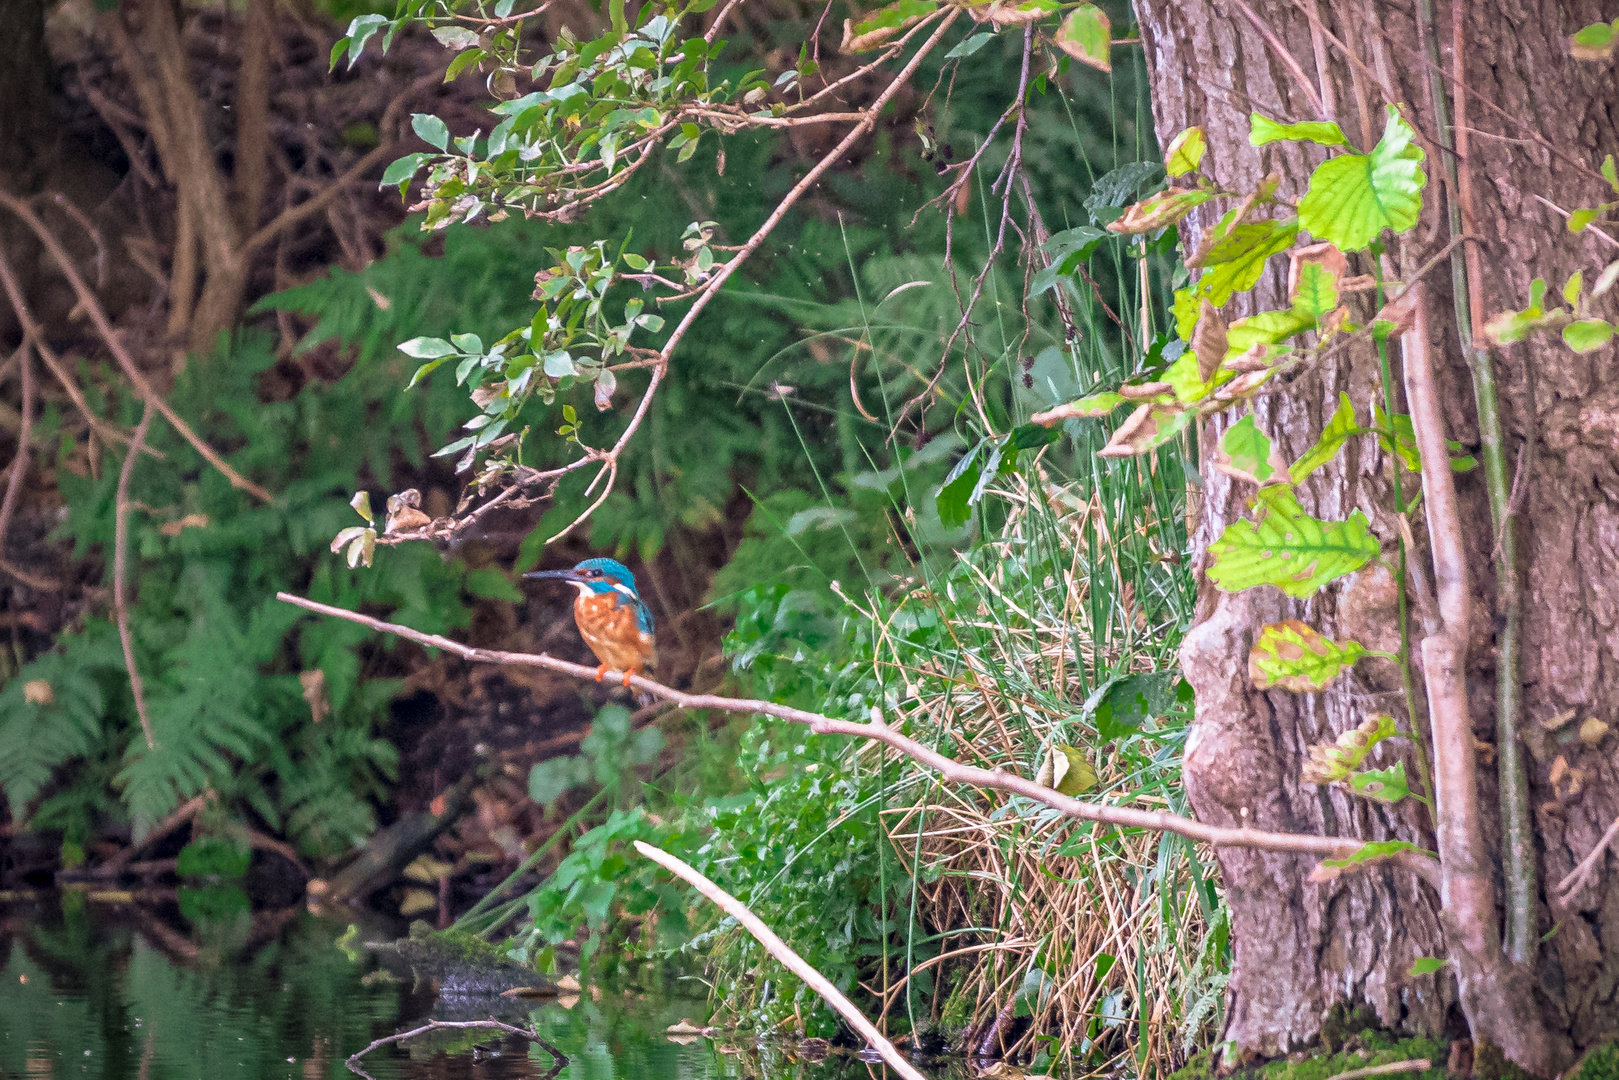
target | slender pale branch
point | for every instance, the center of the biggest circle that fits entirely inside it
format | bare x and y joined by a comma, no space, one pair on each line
609,468
120,573
559,1060
948,768
786,956
1517,841
126,362
1496,996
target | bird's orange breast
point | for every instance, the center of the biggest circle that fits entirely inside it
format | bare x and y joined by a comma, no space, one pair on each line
611,631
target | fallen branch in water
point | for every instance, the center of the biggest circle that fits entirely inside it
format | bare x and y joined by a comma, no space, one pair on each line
1330,847
785,956
558,1058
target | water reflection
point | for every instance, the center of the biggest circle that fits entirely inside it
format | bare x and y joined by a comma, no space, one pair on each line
95,987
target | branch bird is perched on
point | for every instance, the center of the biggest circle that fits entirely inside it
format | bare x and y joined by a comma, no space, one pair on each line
612,618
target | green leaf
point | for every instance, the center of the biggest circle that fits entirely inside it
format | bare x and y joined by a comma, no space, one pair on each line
1125,702
402,170
1427,965
427,348
1381,785
1375,851
1594,42
1609,173
968,46
491,584
1289,549
430,129
455,37
1316,293
1264,130
1268,328
467,344
955,494
1087,36
1582,217
359,32
1185,153
1339,430
1587,335
362,504
1354,197
1292,655
1186,379
1245,453
462,61
615,13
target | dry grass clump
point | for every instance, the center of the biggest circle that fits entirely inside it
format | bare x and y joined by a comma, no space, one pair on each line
1054,941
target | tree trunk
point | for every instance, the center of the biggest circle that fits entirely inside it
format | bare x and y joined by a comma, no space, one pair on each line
1540,123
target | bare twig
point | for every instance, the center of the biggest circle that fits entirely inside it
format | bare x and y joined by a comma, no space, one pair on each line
19,464
1414,1065
559,1060
950,769
120,573
785,955
1285,57
1577,878
131,370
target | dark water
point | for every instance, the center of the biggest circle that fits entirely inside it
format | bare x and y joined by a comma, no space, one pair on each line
100,989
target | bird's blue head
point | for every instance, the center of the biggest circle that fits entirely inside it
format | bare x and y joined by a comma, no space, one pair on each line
596,576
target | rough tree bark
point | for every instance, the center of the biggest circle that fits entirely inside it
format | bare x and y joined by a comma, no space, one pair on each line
1304,950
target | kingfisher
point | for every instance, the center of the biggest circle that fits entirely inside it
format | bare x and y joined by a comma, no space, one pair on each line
612,618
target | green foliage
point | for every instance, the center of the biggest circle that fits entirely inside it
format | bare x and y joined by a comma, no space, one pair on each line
1288,548
1294,656
1352,198
220,657
606,757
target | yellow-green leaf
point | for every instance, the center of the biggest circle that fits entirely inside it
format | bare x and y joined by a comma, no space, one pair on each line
1185,153
1594,42
1066,771
1381,785
1587,335
1288,548
1331,763
1294,656
1338,430
1352,198
1264,130
1087,36
1246,453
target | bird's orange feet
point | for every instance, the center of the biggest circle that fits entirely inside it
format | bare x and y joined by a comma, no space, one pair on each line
601,673
627,676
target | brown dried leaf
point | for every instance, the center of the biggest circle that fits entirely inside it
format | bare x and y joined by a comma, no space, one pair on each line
1209,340
1324,255
1145,391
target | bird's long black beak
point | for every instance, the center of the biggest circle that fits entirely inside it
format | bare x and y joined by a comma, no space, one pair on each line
560,575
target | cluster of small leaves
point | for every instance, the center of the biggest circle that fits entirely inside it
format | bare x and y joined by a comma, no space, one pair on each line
607,103
571,339
1580,330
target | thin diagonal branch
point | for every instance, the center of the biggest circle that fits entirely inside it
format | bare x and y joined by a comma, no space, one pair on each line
948,768
19,464
120,573
131,370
